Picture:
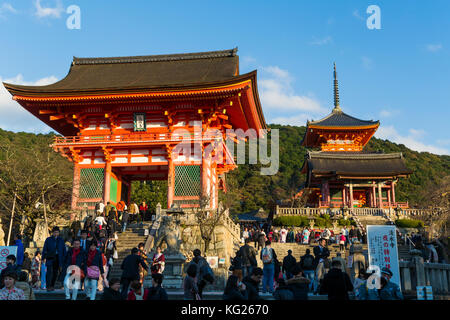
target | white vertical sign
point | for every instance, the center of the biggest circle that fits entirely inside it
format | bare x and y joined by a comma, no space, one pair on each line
4,252
382,248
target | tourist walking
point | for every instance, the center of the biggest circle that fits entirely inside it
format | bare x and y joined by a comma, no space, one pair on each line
113,291
205,274
53,255
125,217
252,282
388,291
305,235
74,264
94,270
157,292
320,251
354,234
11,267
137,292
307,265
248,254
261,239
9,290
336,283
191,291
283,234
22,283
36,270
282,292
288,264
342,242
268,257
20,251
298,284
158,261
131,272
234,289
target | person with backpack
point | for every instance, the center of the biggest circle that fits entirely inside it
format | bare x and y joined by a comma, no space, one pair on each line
307,265
268,257
205,274
288,263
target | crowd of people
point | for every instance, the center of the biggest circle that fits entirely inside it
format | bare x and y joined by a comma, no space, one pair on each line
313,273
84,261
306,236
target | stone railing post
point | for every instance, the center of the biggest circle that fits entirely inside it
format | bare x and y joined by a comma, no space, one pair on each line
418,264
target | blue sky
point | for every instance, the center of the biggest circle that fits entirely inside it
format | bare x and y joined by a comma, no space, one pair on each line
399,74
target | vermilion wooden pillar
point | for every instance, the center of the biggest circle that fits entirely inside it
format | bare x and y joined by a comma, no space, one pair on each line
170,181
76,189
380,195
107,182
204,175
393,192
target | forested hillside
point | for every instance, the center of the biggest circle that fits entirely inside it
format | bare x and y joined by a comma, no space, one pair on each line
31,168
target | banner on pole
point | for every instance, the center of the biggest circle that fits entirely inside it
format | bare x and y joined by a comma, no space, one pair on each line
383,252
4,252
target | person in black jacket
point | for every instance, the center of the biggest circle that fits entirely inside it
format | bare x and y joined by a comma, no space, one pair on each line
75,259
288,263
235,290
113,292
53,255
298,284
283,292
252,282
248,255
130,267
157,292
320,252
336,283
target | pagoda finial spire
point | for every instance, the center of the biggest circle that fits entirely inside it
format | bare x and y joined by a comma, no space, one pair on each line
336,91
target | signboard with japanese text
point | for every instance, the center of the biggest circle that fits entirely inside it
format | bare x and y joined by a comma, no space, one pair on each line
382,249
4,252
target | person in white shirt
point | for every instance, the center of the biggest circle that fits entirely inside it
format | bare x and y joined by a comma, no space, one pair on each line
245,234
100,221
344,231
283,234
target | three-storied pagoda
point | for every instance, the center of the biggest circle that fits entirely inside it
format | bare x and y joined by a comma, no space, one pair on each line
341,174
121,118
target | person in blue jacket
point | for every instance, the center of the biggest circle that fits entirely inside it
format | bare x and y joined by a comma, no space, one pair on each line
20,251
53,255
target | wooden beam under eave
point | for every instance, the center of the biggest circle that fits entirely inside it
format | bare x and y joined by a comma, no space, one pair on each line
47,112
57,117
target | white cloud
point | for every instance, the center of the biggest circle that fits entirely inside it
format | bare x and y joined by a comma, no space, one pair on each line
388,113
297,120
367,63
277,93
357,15
412,140
321,42
434,47
6,7
14,117
42,12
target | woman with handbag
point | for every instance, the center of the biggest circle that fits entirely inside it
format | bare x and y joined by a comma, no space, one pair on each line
94,268
74,263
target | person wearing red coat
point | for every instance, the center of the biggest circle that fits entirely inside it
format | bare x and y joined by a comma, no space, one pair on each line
137,292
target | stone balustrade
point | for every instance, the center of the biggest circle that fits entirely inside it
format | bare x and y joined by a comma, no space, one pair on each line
286,211
417,273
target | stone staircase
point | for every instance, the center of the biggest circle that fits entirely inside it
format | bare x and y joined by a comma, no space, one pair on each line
129,239
299,250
